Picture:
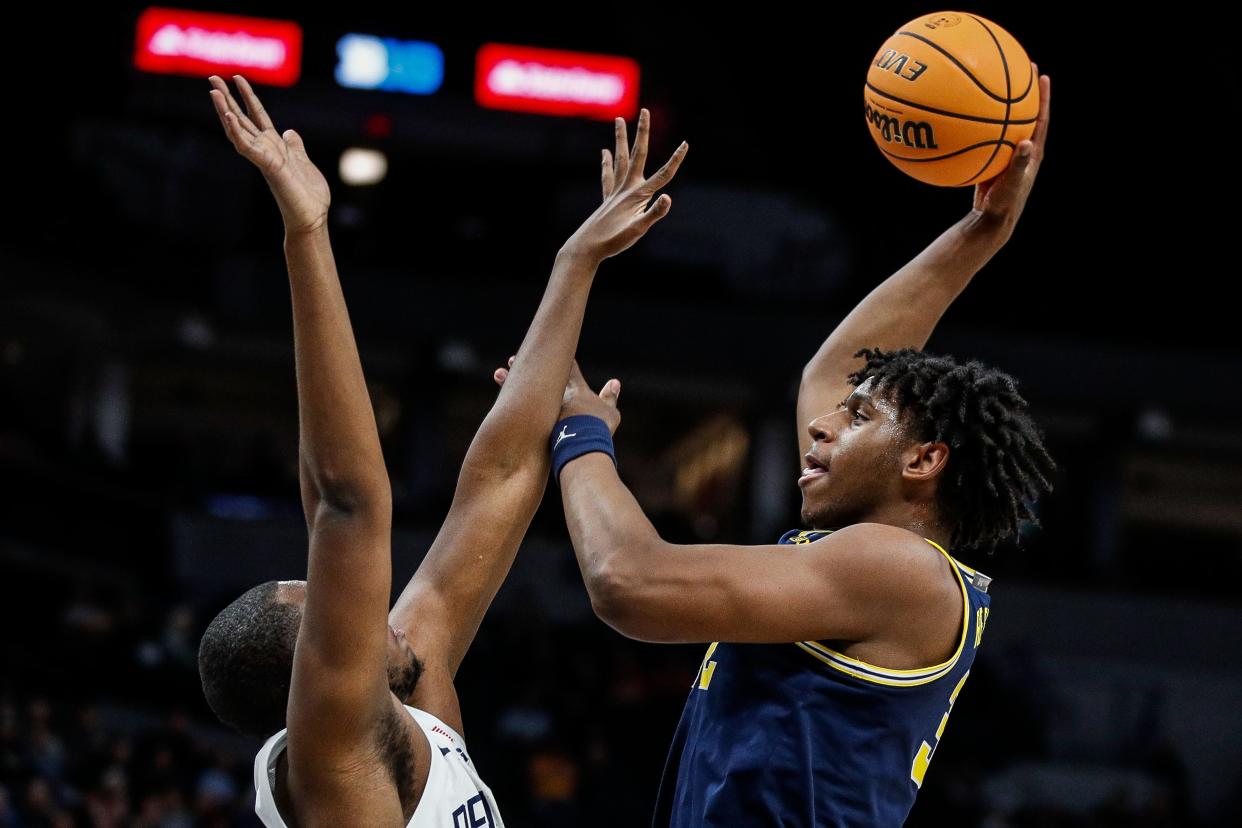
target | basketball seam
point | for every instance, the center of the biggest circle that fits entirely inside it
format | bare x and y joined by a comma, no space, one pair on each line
958,115
1008,106
968,73
949,154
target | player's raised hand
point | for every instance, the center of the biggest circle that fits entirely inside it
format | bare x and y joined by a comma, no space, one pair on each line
627,211
301,190
1002,198
579,398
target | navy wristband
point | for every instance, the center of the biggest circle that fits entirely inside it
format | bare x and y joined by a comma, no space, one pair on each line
575,436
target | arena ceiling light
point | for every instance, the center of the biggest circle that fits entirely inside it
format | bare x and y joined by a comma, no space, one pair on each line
362,167
555,82
177,42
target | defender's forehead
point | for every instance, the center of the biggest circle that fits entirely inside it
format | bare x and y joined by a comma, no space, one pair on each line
290,592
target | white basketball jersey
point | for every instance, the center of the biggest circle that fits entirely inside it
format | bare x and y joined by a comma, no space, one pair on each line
454,797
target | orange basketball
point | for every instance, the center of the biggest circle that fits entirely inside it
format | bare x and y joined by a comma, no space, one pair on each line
948,98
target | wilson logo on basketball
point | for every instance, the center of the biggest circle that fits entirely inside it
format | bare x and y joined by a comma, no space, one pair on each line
942,21
895,62
917,134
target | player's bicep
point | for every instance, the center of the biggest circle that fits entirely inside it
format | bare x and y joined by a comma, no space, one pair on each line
701,593
339,684
841,587
349,578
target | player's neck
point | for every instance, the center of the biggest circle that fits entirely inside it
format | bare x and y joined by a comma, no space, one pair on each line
917,517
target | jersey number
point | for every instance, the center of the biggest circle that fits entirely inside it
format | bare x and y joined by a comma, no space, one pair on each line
923,758
474,813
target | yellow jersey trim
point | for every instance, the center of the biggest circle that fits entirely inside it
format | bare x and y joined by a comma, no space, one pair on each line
888,676
887,682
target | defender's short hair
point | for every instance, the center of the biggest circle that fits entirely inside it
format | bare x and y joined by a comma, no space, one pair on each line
245,660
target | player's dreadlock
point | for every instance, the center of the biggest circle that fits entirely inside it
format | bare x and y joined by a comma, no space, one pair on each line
997,466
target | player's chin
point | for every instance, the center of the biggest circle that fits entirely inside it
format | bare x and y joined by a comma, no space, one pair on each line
816,511
809,513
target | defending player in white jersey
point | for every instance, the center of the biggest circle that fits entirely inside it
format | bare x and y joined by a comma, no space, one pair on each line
366,723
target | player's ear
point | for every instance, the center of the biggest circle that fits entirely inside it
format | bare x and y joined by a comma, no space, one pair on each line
925,461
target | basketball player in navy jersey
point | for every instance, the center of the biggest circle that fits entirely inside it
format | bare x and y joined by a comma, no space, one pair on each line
358,700
839,655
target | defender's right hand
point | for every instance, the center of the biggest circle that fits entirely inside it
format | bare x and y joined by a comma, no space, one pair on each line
301,190
625,216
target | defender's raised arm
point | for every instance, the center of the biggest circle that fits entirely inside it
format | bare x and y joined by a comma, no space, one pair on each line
339,692
505,471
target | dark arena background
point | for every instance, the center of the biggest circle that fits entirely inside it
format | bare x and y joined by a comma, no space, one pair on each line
148,423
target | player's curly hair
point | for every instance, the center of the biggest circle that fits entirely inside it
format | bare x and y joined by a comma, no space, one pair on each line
245,661
998,466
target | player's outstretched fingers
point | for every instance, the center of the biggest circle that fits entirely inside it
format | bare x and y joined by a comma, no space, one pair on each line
620,153
242,141
295,142
638,158
232,105
502,374
665,174
221,106
1040,136
605,174
233,129
255,109
655,212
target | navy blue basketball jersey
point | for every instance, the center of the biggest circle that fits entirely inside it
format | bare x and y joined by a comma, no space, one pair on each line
802,735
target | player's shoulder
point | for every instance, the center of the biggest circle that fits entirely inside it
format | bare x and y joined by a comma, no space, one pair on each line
880,541
883,558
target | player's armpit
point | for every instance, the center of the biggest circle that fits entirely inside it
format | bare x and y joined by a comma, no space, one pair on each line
329,784
858,584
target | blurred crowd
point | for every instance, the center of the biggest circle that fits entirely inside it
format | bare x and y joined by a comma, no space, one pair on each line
102,723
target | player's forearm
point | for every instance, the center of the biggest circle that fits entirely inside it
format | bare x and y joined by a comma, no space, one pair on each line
503,476
903,310
613,540
515,432
339,443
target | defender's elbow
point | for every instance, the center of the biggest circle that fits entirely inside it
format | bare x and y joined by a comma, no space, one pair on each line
348,494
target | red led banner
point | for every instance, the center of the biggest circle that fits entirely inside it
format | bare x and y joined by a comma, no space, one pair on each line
552,82
175,42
